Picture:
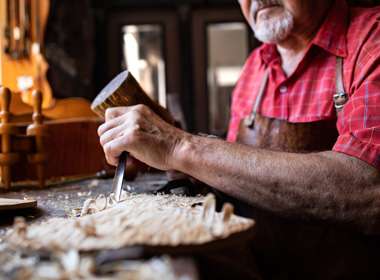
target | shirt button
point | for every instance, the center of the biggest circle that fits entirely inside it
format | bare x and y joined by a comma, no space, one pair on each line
283,89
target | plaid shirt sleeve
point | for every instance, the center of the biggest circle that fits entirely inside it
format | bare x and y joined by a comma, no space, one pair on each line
359,122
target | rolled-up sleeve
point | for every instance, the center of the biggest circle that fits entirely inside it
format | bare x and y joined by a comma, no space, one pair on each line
359,122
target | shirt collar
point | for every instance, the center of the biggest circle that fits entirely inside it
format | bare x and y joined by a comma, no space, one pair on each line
268,53
331,36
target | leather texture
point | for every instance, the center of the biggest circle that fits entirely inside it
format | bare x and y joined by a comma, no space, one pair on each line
280,135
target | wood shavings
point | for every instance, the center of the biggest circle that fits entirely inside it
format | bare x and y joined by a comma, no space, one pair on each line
20,226
19,265
156,268
228,211
94,183
100,203
86,207
139,219
87,227
209,210
75,267
22,265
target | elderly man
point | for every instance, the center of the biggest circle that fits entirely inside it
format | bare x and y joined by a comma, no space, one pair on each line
303,146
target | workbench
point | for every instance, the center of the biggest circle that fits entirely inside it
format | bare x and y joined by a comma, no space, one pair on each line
59,200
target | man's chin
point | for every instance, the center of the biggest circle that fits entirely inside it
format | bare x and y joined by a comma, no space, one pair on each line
268,36
268,39
273,32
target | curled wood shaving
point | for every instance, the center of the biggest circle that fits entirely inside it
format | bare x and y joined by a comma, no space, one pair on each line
100,203
20,226
228,211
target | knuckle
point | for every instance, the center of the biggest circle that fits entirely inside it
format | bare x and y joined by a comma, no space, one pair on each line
114,112
110,112
103,140
139,107
134,117
142,109
100,130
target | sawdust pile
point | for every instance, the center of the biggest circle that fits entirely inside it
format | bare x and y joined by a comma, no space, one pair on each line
71,265
139,219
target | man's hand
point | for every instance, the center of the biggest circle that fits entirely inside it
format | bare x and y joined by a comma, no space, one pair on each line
142,133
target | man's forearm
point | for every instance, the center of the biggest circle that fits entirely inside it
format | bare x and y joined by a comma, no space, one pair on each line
328,185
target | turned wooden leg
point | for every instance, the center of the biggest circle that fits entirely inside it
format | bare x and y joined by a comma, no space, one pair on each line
5,98
36,129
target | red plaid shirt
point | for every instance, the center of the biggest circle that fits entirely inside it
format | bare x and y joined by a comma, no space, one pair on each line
307,95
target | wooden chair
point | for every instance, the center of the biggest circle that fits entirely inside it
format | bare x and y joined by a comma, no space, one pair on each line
18,142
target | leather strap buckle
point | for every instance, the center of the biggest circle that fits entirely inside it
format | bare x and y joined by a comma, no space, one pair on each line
250,121
340,99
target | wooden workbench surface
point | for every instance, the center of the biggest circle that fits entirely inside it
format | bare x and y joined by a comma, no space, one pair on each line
58,201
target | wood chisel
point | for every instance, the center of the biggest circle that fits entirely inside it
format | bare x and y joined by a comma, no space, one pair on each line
117,185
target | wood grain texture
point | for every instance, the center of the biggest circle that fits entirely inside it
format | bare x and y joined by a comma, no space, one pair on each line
7,158
140,219
124,90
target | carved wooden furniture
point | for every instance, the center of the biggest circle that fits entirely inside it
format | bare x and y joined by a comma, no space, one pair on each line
41,150
18,144
23,63
36,131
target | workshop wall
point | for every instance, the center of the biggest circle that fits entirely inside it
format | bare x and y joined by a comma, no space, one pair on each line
70,48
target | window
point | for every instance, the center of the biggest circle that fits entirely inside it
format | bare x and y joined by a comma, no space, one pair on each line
227,52
143,57
221,45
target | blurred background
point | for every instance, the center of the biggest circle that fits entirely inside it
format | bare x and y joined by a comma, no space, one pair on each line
187,54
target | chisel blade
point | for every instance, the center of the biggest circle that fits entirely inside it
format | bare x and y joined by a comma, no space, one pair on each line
117,185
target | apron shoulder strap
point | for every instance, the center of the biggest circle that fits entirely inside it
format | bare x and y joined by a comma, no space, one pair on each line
340,96
250,120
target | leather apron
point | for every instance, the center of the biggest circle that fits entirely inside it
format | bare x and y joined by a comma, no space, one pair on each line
278,135
295,249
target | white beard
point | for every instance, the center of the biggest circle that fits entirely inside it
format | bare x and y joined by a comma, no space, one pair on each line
273,30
